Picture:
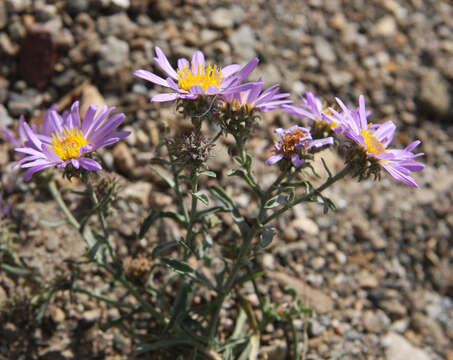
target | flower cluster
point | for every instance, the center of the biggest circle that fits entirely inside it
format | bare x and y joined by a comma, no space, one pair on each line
65,139
371,140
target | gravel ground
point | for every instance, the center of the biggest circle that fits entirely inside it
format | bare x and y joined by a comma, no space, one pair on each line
378,272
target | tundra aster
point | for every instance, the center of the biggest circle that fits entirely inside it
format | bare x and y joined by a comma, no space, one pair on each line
374,140
293,143
313,109
65,139
195,78
250,96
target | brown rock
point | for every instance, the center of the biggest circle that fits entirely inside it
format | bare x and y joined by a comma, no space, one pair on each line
123,158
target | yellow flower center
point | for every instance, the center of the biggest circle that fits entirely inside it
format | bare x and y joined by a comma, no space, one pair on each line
291,140
204,76
327,111
236,106
373,145
68,143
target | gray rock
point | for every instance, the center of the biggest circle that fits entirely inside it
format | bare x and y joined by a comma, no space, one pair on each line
238,14
18,5
398,348
138,191
91,316
54,26
243,42
376,321
19,104
323,49
112,53
318,262
207,36
316,328
340,78
7,46
66,78
393,307
118,25
433,93
221,18
271,75
16,30
121,4
77,6
429,328
277,351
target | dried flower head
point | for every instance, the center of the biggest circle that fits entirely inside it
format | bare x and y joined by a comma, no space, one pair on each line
137,269
192,150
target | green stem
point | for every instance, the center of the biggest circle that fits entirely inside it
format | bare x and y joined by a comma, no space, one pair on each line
175,173
103,298
100,213
193,210
142,301
268,193
295,340
249,176
308,196
57,196
228,285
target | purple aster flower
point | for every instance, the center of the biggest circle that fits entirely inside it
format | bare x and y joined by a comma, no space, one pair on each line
375,138
292,142
195,78
313,109
66,139
5,207
250,96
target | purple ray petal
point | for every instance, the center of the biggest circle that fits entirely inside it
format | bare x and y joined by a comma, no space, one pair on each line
150,77
164,63
274,159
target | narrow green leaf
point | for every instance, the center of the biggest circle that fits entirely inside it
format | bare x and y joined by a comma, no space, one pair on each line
163,175
144,348
275,201
250,277
53,223
202,197
208,173
15,270
163,247
179,266
237,160
221,195
236,172
248,161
